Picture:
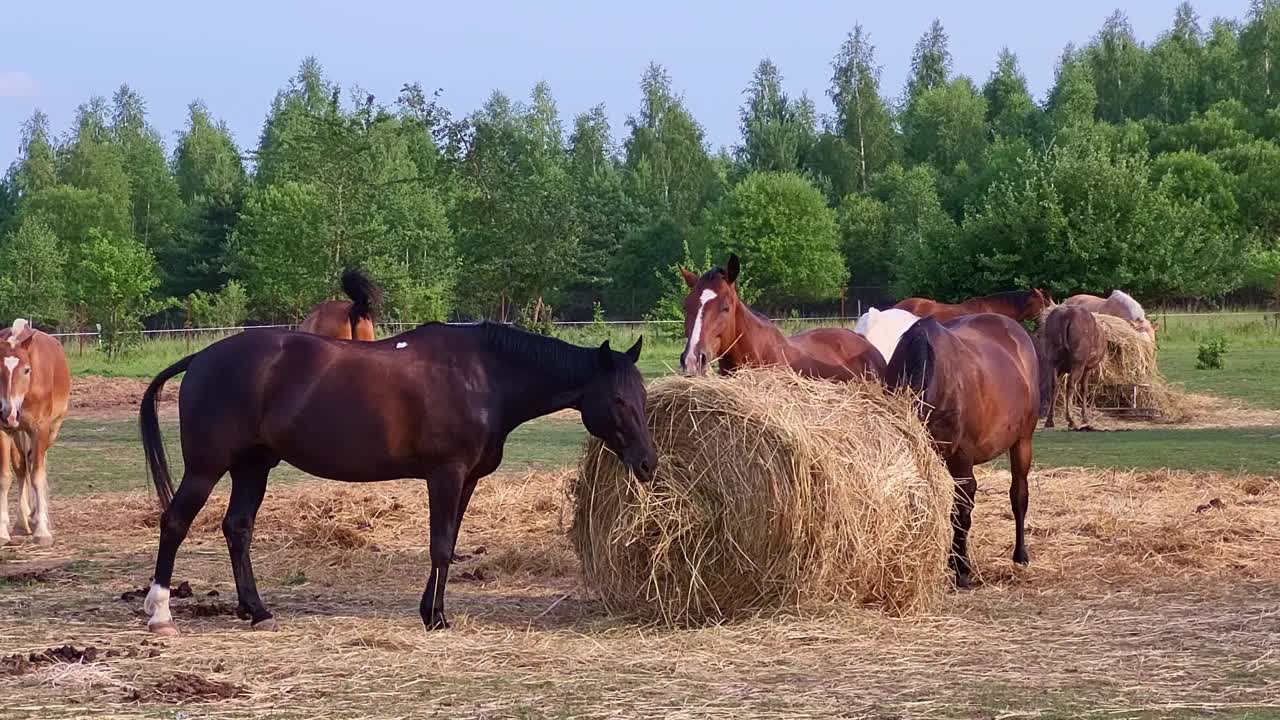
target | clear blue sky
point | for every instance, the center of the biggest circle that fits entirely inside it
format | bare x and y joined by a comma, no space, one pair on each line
235,54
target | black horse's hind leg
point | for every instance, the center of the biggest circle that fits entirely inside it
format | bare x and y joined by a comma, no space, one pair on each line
468,488
1053,399
1019,468
191,495
444,492
961,517
248,485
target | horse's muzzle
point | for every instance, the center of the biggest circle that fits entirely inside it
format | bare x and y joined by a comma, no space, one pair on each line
643,463
696,365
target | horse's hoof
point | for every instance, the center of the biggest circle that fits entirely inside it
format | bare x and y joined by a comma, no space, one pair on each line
167,628
437,623
265,624
962,582
1022,558
43,540
243,613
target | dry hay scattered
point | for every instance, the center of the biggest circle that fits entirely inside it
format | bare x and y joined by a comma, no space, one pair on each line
772,492
1129,376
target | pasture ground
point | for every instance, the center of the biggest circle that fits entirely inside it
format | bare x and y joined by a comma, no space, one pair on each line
1153,592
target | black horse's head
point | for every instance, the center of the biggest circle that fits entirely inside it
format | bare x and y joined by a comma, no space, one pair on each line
613,409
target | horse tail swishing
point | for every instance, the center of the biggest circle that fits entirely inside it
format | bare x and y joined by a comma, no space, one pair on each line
152,443
917,360
365,299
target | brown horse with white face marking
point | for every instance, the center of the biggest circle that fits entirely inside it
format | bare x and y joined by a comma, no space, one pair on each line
1074,345
1017,305
719,326
347,319
445,399
35,389
981,383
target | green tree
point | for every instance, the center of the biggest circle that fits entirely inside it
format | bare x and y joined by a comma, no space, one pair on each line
640,267
946,126
786,235
1222,66
920,232
668,169
1117,62
864,231
1173,83
863,120
1010,109
606,212
1260,50
279,247
930,62
114,280
34,282
211,181
777,131
36,168
1073,101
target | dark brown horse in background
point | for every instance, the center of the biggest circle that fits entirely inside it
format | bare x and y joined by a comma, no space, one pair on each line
1018,305
719,326
1074,346
347,319
981,385
443,403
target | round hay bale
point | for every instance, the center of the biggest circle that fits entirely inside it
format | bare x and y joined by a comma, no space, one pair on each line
772,492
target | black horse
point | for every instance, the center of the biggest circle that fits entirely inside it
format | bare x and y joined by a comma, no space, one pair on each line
437,402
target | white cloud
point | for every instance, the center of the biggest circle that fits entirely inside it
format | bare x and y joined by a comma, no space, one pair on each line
15,83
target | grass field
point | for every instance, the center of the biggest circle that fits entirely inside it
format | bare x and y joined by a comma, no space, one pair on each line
1151,593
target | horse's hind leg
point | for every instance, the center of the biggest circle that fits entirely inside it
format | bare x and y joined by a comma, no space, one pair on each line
192,494
1053,399
962,517
1084,395
248,485
468,488
1073,386
1019,468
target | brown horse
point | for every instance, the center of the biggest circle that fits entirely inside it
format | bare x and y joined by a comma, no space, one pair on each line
1018,305
346,319
981,384
719,326
1073,343
35,389
1121,305
445,400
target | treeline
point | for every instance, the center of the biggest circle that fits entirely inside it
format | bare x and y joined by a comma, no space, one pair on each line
1155,168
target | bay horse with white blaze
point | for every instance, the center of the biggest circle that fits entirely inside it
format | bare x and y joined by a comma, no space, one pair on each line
719,326
35,390
981,384
347,319
445,399
1017,305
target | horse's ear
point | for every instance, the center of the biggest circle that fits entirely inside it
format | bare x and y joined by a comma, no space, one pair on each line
606,356
20,333
633,352
731,270
689,278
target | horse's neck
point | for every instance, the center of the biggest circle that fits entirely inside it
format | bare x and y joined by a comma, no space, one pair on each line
758,342
527,392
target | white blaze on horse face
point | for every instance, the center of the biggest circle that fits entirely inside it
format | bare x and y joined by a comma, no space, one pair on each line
695,337
157,605
15,401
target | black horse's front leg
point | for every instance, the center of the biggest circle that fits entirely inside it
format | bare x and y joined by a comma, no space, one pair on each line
444,492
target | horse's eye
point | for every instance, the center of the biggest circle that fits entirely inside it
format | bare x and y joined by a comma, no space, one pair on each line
26,371
724,309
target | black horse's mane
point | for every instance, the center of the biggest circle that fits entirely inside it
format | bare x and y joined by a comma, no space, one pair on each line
564,361
1019,296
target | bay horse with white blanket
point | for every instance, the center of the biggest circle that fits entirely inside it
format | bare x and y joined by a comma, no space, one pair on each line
982,387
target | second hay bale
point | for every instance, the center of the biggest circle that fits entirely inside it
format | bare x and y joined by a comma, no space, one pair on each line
772,492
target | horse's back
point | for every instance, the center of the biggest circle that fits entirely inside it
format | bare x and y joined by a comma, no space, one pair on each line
1073,337
1092,303
837,348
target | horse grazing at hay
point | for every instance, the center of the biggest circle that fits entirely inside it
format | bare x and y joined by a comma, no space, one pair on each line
347,319
982,388
719,326
35,390
1018,305
1121,305
445,400
1074,345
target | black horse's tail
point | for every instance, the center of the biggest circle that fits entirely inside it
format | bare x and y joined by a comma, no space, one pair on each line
914,362
152,443
365,298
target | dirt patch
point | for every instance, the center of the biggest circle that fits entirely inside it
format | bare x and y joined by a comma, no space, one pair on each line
187,687
109,398
19,664
36,571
